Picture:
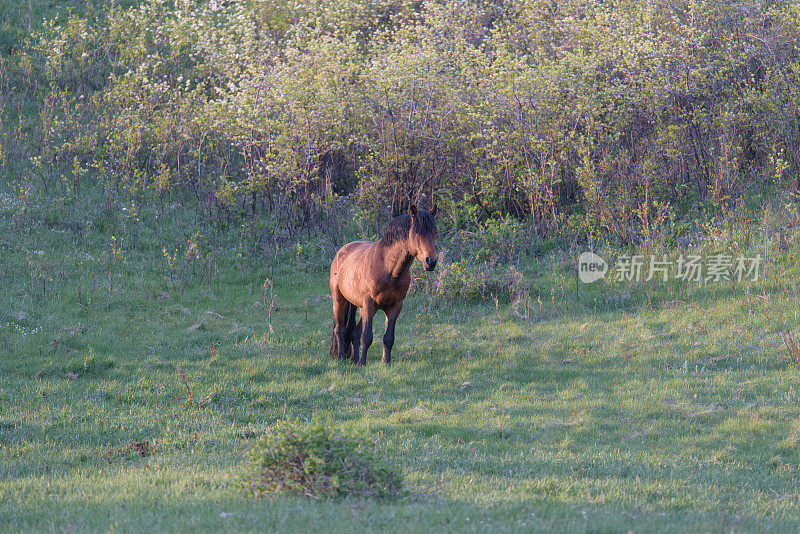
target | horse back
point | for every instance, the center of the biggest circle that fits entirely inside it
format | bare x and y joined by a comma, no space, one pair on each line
349,256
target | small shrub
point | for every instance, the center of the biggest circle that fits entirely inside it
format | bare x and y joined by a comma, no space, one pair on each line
460,280
316,460
469,280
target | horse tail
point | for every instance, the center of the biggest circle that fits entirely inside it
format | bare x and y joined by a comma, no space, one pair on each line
350,322
350,315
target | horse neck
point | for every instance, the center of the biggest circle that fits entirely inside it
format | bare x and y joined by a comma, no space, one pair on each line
398,258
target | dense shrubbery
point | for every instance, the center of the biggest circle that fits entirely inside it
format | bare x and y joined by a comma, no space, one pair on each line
597,116
316,460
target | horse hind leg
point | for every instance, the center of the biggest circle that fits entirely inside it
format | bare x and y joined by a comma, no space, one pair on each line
339,342
355,338
348,332
334,341
340,337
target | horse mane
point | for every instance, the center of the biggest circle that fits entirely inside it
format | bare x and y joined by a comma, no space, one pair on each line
398,228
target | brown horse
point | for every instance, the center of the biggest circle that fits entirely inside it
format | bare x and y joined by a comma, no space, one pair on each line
375,276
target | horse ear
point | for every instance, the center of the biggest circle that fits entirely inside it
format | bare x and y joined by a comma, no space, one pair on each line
413,211
433,210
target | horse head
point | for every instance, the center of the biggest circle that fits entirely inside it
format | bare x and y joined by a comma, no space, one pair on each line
422,236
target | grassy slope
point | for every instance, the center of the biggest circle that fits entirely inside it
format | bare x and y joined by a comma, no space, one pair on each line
608,417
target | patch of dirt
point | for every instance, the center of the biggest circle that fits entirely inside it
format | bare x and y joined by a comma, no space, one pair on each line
142,447
134,449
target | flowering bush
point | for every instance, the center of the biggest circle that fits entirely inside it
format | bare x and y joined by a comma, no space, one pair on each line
514,107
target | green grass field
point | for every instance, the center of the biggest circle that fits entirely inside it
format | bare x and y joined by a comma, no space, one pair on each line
606,413
622,407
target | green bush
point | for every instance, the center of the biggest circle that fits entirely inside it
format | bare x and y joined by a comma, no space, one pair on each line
462,280
470,279
518,108
314,459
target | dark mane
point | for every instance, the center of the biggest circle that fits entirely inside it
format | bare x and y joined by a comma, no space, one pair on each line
398,228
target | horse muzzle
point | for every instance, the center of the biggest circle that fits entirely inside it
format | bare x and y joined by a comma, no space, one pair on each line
430,264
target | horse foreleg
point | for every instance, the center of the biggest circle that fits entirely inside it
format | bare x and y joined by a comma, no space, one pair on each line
367,313
388,337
